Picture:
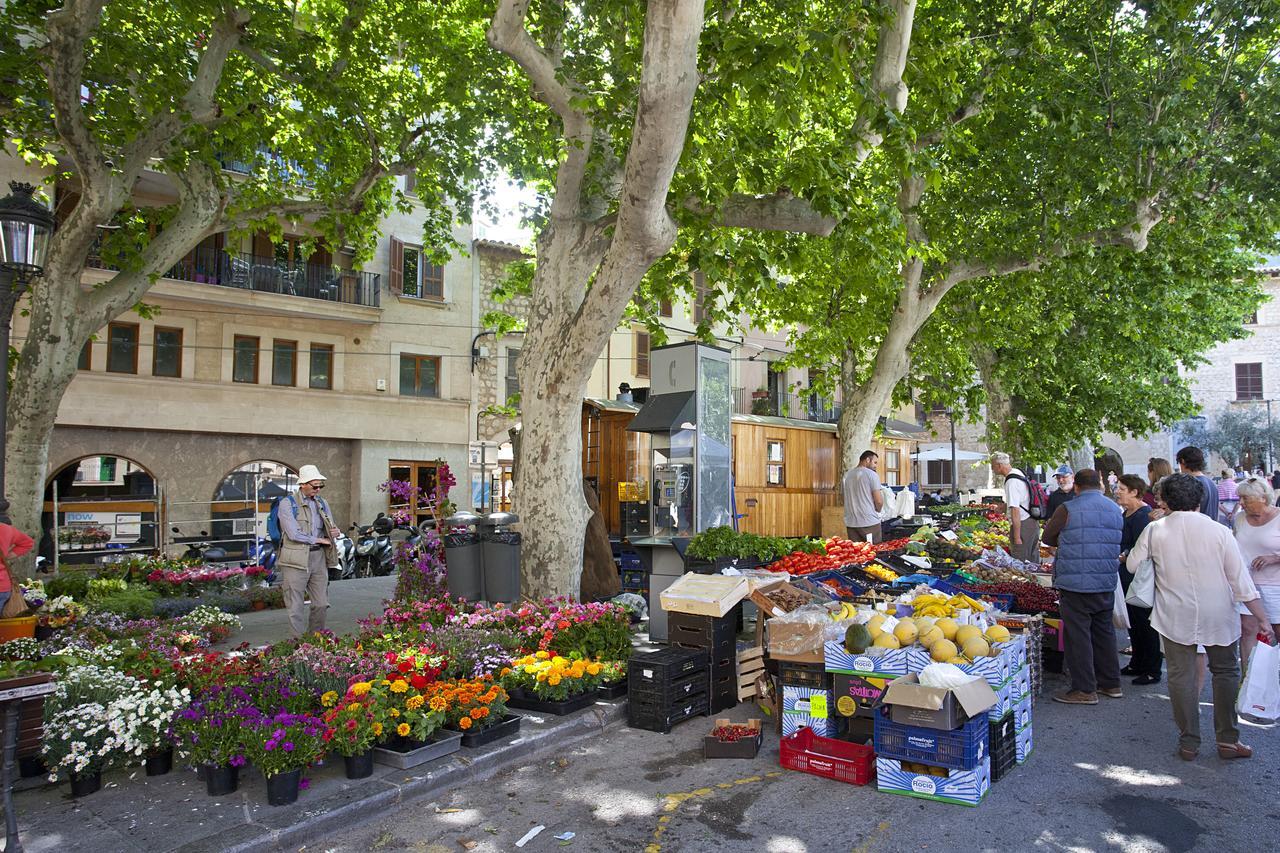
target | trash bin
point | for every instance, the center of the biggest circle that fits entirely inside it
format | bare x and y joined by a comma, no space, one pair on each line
462,557
501,557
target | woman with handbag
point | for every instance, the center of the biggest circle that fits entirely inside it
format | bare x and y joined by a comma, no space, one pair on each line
1257,528
1147,660
1199,576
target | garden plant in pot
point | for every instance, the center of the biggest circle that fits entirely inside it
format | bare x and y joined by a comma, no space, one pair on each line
282,746
545,681
356,724
152,712
477,708
89,725
210,734
409,720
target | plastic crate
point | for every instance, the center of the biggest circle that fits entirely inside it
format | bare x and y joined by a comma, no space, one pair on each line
665,693
665,665
689,630
640,716
833,759
804,675
1002,736
959,749
849,588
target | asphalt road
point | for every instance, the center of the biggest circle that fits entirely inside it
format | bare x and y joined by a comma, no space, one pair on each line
1101,778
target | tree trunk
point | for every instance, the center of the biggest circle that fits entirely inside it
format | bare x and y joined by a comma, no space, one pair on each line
1001,433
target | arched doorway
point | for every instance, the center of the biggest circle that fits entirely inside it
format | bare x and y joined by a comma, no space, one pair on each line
99,506
242,501
1107,462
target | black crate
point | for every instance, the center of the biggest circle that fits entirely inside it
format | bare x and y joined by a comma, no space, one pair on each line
665,665
723,701
724,650
667,693
641,716
705,632
804,675
1003,743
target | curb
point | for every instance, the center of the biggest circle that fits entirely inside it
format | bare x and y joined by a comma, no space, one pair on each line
351,812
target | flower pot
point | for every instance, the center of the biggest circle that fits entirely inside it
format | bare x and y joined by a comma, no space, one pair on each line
400,743
84,784
160,762
359,766
509,726
609,692
31,766
282,788
259,605
530,702
16,628
221,780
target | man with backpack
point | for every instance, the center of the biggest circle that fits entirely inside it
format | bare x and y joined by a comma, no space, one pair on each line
306,551
1025,502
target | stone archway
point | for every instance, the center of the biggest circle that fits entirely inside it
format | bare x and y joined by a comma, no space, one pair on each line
98,504
242,500
1107,461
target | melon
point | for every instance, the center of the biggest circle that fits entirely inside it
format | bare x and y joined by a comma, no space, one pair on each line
943,651
887,641
965,633
975,647
931,635
998,634
906,632
947,626
857,638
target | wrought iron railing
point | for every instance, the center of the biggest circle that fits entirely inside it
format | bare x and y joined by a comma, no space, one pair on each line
805,407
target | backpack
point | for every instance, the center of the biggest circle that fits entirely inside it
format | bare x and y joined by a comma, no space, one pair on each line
1038,498
274,533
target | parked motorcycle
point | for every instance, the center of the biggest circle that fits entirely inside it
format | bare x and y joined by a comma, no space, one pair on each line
346,568
374,553
203,551
265,555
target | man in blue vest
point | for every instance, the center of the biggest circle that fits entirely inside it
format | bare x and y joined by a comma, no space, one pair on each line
1087,533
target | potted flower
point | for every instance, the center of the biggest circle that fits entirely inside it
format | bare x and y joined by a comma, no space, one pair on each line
613,678
282,746
210,733
94,537
551,683
477,708
149,719
69,539
356,724
59,613
85,730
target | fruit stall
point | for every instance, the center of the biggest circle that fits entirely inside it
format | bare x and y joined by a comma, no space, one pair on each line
912,665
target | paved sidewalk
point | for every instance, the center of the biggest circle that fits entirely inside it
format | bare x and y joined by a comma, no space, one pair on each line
175,813
349,602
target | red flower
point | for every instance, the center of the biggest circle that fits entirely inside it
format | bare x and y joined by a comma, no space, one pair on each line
419,682
405,665
562,625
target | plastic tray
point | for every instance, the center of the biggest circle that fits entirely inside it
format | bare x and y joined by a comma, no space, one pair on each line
851,588
827,757
666,693
665,665
509,726
959,749
705,632
529,702
661,720
804,675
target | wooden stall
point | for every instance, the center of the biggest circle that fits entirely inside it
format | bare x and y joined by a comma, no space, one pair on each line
784,469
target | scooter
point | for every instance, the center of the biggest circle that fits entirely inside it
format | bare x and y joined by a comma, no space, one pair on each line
346,568
204,551
375,556
265,555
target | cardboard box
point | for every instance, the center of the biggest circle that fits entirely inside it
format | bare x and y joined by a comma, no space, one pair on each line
794,722
1022,713
800,642
962,787
910,703
1024,744
1004,703
806,700
1017,651
891,662
858,695
704,595
1020,684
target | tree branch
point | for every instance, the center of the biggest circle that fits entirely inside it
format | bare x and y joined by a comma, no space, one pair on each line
892,46
777,212
68,30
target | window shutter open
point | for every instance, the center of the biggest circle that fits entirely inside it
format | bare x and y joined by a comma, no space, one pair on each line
396,276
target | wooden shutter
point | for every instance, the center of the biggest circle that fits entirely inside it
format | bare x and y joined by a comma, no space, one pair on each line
262,247
396,276
642,355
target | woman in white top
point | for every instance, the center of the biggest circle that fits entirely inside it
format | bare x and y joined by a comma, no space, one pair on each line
1199,576
1257,529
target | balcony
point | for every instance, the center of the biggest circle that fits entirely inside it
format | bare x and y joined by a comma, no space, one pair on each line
242,271
808,407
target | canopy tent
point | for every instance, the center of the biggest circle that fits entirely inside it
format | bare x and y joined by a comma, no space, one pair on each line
938,454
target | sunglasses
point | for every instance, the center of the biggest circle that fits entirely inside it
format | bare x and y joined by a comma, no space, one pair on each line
316,486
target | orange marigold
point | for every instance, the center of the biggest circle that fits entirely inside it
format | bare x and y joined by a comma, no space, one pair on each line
476,713
464,723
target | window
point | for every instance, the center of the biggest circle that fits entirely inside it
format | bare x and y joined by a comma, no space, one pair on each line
938,472
775,472
122,348
421,480
664,308
642,355
413,275
513,381
166,352
892,462
1249,381
420,375
86,357
702,295
244,359
284,363
1251,319
321,366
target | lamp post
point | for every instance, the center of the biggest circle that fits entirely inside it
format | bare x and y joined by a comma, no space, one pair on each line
25,229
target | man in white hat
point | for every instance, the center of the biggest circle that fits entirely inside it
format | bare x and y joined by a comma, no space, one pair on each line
306,552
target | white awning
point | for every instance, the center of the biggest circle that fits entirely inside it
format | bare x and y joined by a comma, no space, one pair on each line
937,454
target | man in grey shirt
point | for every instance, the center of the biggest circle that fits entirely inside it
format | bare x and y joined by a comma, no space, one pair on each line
306,552
862,499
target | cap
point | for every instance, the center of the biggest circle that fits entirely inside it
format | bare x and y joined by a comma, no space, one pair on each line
1063,471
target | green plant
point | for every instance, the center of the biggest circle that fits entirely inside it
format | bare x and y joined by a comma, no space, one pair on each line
132,602
73,584
100,588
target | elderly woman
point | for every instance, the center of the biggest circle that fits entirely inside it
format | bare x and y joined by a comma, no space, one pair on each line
1147,662
1257,529
1199,578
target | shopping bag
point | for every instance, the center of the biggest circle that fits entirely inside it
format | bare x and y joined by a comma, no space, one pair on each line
1260,692
1119,613
1142,589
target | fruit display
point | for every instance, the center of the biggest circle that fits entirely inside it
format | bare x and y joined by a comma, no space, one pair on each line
1029,598
850,553
941,550
891,545
784,598
995,574
880,573
734,732
938,604
988,539
836,552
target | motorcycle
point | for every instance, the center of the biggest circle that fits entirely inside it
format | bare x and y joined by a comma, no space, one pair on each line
203,551
374,554
346,568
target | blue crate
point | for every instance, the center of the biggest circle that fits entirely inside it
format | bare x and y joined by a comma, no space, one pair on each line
959,749
848,584
961,787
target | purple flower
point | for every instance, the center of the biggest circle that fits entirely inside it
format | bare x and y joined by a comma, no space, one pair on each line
270,745
237,761
288,746
304,784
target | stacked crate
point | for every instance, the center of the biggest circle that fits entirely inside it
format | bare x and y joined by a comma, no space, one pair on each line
807,701
665,688
716,637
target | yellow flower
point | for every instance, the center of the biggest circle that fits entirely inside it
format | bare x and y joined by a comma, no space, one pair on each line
542,676
577,669
354,706
377,729
414,702
541,655
553,679
399,686
394,712
360,688
594,668
328,699
559,661
438,704
403,730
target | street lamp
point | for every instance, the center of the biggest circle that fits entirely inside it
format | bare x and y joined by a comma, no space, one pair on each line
26,227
